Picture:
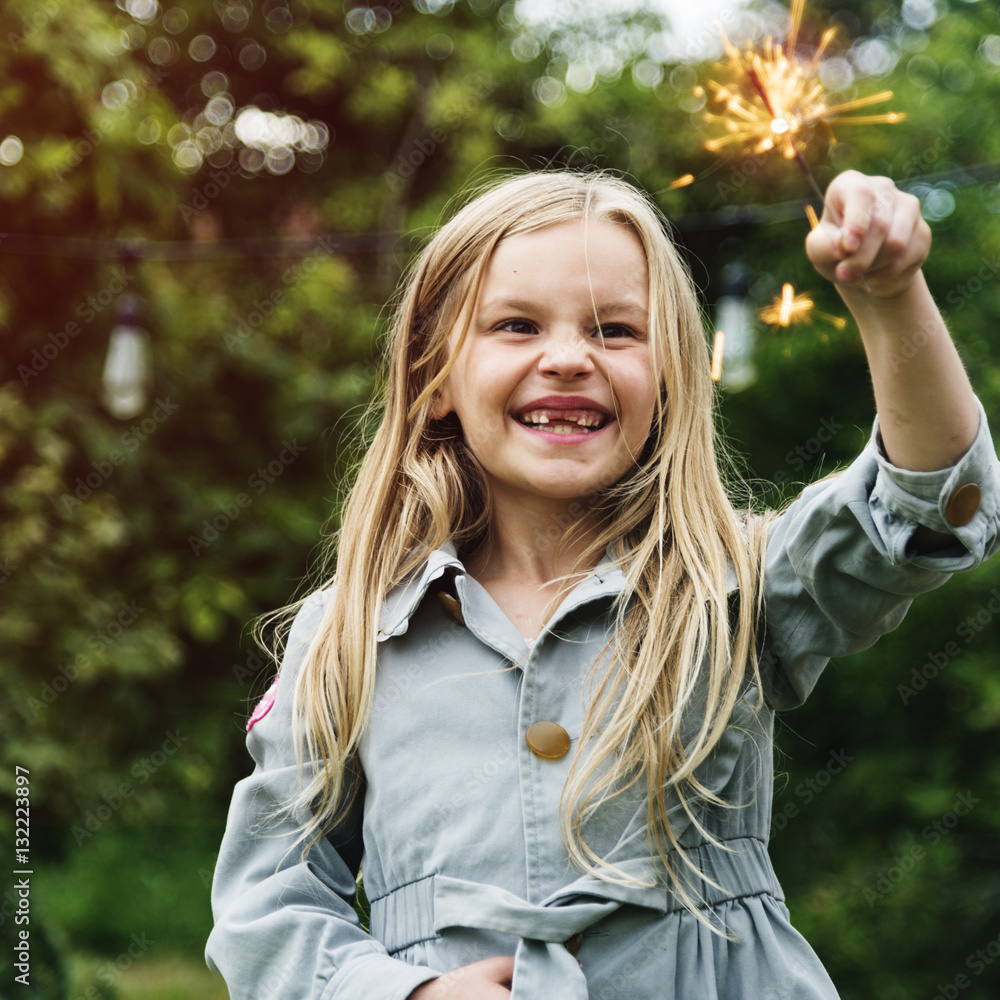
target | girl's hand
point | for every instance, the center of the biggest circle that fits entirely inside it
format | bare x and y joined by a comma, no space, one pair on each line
871,230
489,979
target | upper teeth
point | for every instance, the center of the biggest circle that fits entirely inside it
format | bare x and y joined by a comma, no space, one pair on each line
582,419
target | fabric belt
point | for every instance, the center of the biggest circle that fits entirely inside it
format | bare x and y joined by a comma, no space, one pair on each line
543,967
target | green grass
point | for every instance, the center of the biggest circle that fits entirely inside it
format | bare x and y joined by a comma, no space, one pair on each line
166,977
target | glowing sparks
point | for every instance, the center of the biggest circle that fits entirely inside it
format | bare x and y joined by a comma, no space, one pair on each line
774,100
682,181
789,309
717,351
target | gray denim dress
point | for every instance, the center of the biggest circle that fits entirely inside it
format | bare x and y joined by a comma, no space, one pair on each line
458,832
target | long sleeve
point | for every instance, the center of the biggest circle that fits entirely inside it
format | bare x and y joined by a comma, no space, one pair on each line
842,563
283,927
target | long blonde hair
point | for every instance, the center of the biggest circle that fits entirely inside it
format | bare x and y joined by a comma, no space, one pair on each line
669,521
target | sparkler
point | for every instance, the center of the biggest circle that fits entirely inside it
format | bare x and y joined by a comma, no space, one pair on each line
789,309
774,100
718,349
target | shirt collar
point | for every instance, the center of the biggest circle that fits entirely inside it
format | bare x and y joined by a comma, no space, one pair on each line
402,601
606,580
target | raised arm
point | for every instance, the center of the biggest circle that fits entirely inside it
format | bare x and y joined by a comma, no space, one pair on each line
872,241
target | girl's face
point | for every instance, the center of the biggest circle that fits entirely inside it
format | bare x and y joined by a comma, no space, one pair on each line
553,403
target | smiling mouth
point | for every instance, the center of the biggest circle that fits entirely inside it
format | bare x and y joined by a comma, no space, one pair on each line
563,421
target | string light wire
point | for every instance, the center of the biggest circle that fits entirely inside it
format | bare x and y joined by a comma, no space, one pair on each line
22,244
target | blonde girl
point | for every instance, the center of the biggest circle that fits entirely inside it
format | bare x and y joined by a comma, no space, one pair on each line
535,697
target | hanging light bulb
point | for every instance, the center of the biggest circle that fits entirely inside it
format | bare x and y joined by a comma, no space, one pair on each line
734,317
128,365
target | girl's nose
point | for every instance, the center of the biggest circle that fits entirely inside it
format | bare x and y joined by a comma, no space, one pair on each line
567,355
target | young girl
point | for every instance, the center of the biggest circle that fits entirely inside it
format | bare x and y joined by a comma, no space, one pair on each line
536,698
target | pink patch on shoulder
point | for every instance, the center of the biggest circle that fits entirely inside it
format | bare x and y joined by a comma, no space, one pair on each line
264,705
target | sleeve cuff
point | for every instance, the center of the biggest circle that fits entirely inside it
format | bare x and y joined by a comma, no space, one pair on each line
377,977
961,500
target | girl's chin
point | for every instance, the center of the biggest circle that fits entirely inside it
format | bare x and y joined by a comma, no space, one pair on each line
559,489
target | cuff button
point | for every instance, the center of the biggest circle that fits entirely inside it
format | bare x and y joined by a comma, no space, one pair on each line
963,504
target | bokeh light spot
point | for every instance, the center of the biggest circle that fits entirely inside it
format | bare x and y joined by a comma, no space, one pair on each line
279,160
990,49
549,91
115,95
647,73
360,20
187,156
525,47
149,131
201,48
440,46
163,51
957,75
175,20
922,71
251,54
214,82
836,73
235,17
144,11
509,125
11,151
219,110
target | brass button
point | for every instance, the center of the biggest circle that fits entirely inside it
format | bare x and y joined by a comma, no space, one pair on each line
963,504
547,739
452,606
572,945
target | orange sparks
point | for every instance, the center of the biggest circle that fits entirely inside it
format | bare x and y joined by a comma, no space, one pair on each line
717,350
811,215
774,100
682,181
789,309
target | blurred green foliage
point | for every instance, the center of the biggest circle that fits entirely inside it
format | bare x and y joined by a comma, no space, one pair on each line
128,667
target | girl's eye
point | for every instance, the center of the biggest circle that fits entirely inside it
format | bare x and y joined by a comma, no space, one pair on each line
614,330
516,326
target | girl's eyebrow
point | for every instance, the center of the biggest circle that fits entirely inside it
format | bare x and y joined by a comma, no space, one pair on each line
628,306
